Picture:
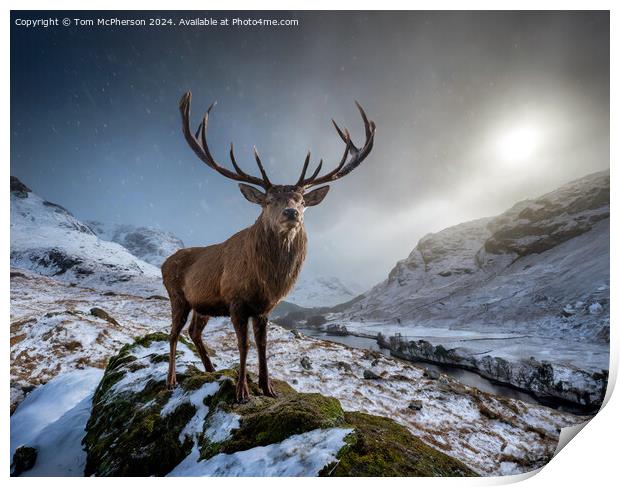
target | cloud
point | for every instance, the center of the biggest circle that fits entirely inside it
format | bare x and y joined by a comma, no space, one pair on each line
443,88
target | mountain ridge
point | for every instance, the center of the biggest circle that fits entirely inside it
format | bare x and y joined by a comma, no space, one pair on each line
47,239
466,254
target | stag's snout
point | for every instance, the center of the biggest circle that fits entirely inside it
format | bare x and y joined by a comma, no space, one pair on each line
291,214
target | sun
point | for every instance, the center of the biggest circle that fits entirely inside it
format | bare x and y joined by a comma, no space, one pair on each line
518,144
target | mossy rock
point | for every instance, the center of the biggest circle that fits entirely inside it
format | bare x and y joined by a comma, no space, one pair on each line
139,428
380,447
126,435
268,420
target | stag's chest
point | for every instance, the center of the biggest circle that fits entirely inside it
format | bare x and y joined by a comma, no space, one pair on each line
278,272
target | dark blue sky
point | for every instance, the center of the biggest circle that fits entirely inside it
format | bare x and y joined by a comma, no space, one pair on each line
95,125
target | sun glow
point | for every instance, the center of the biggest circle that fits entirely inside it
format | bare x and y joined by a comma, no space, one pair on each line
518,144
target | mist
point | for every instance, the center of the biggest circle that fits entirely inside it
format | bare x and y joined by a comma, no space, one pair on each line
474,112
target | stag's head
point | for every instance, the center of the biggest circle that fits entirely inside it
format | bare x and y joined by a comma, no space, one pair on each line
283,205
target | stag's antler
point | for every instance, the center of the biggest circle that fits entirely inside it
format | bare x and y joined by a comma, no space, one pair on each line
201,148
344,167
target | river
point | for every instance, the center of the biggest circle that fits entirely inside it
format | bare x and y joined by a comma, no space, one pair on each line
464,376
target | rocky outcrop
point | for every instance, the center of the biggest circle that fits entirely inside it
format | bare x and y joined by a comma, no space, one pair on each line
533,226
18,188
553,383
24,459
138,427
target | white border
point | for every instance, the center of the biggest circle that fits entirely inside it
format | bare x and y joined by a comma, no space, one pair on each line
589,460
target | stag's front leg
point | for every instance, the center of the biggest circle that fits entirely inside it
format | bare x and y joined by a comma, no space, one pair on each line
240,322
260,337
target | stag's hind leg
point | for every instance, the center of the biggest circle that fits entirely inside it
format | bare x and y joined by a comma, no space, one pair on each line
195,332
180,311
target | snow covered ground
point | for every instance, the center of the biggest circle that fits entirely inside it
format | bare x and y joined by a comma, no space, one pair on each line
53,329
481,286
491,434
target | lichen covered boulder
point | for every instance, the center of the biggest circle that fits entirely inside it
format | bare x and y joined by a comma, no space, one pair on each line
138,427
379,446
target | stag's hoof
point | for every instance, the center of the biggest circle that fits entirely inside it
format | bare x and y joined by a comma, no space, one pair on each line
171,382
242,393
268,389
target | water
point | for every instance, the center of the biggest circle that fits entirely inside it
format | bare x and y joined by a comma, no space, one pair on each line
464,376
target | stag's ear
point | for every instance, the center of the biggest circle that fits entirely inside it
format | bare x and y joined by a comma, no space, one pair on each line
252,194
315,196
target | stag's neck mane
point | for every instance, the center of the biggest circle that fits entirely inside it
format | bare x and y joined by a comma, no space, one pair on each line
278,257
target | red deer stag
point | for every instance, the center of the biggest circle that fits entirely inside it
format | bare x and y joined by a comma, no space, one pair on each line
246,276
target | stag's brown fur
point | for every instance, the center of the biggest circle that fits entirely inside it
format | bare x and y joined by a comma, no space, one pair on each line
256,266
246,276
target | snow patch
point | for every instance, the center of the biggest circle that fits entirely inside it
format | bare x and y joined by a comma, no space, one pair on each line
221,425
301,455
196,398
49,402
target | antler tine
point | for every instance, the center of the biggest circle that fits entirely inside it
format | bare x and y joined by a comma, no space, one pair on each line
240,172
339,131
303,171
365,118
348,146
356,155
317,170
201,148
260,167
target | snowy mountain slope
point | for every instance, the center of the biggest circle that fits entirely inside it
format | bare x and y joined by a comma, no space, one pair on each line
321,291
477,262
53,331
537,275
47,239
149,244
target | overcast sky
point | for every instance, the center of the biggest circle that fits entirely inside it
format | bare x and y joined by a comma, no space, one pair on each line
474,112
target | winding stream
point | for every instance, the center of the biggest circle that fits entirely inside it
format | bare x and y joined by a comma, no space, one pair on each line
464,376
